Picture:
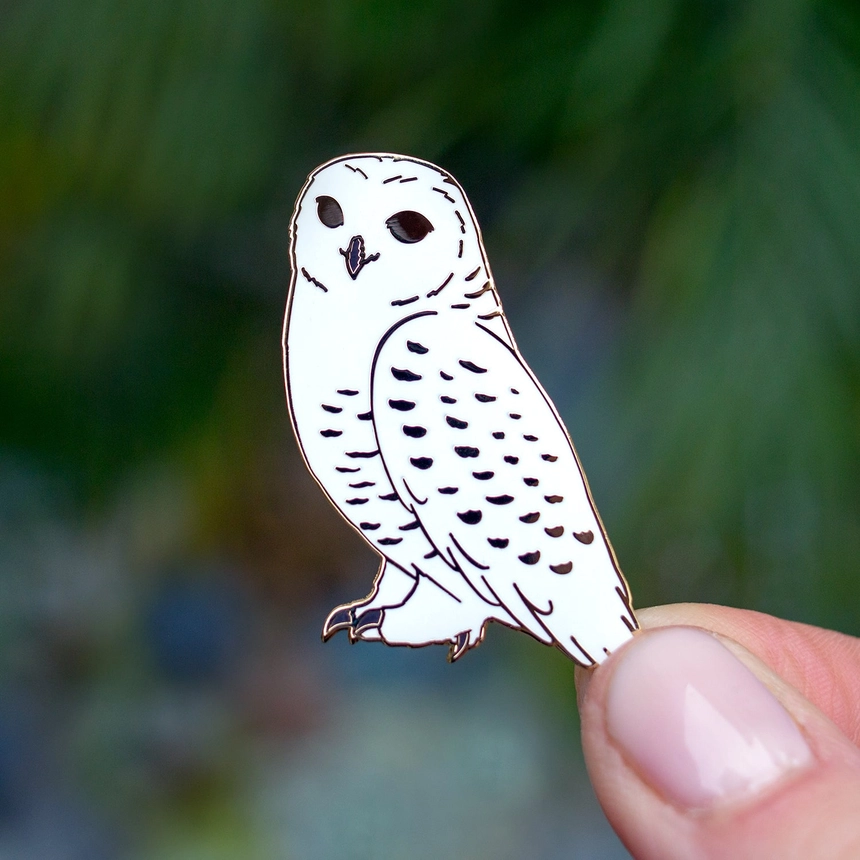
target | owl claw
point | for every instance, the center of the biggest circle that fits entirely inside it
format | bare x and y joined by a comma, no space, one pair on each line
370,620
341,618
459,647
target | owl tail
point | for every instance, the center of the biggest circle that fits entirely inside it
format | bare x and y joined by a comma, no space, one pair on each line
587,624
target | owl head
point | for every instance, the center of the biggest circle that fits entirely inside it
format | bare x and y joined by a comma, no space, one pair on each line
381,230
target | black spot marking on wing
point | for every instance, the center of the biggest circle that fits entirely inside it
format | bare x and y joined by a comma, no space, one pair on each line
484,398
334,409
530,518
418,348
331,434
456,423
514,391
470,365
530,438
555,531
389,541
421,462
398,303
416,431
483,476
409,526
460,252
531,482
347,392
344,469
369,527
404,375
472,275
390,497
401,405
584,537
445,399
498,435
431,553
448,491
498,543
362,484
364,416
512,460
567,567
527,557
465,451
515,415
362,455
445,376
357,501
550,458
554,500
461,306
471,518
500,500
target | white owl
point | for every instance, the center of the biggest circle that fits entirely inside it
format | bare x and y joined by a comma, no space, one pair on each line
427,430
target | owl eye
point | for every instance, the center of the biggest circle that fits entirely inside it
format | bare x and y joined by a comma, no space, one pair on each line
329,211
409,226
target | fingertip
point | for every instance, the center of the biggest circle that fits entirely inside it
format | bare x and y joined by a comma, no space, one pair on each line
685,738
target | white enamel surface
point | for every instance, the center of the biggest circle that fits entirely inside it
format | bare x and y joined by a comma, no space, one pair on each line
355,346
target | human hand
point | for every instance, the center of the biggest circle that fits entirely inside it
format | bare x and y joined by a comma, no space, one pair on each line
738,739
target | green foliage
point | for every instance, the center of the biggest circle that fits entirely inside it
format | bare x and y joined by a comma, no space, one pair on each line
704,157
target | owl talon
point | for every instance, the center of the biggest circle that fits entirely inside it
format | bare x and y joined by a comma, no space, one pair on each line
341,618
370,620
459,647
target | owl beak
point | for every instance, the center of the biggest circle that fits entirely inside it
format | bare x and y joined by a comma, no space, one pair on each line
355,257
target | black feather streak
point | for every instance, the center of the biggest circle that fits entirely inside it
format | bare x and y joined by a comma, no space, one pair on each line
471,518
404,375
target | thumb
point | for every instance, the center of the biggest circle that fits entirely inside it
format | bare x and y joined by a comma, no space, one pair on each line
698,749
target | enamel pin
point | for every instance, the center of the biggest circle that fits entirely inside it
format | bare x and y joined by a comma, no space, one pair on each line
427,430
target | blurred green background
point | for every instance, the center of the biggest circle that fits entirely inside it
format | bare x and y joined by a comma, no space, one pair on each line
670,198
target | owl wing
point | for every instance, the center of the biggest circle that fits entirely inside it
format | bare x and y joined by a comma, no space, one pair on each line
474,446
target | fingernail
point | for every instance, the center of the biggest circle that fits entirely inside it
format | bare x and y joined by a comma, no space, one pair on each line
696,723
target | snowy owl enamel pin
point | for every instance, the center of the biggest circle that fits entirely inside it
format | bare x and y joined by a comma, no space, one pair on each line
427,430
